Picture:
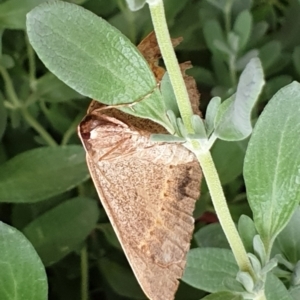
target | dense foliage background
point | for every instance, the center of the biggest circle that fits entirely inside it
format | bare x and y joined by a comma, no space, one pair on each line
45,191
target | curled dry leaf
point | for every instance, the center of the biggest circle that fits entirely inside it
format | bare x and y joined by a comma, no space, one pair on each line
148,190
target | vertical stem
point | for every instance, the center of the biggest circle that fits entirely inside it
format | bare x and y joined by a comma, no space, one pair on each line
31,62
38,127
84,274
9,87
163,38
223,213
205,159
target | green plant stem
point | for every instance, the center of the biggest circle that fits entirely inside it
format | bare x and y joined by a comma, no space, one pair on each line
84,274
31,62
163,38
38,127
205,159
10,90
71,130
220,205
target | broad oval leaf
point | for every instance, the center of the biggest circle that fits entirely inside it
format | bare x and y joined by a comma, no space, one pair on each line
60,230
42,173
206,268
233,121
22,274
272,163
94,58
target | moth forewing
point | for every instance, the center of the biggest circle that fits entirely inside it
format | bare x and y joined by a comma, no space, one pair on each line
148,191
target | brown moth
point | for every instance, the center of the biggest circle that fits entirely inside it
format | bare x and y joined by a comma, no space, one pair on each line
148,190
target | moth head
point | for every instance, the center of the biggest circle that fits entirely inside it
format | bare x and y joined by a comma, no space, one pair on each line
105,137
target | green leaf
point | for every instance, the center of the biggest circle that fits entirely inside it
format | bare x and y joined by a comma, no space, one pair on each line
3,116
24,213
121,279
275,289
13,12
242,62
211,113
229,159
233,121
213,32
288,241
202,76
95,59
295,292
198,126
243,27
41,173
274,84
247,232
272,163
206,268
166,138
60,230
296,59
224,6
211,235
22,274
110,235
223,296
168,94
258,32
269,54
51,89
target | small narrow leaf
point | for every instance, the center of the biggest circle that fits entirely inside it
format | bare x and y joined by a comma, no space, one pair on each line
243,26
22,274
272,163
259,249
211,113
41,173
60,230
233,121
256,264
246,280
270,53
198,126
213,32
247,232
168,94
